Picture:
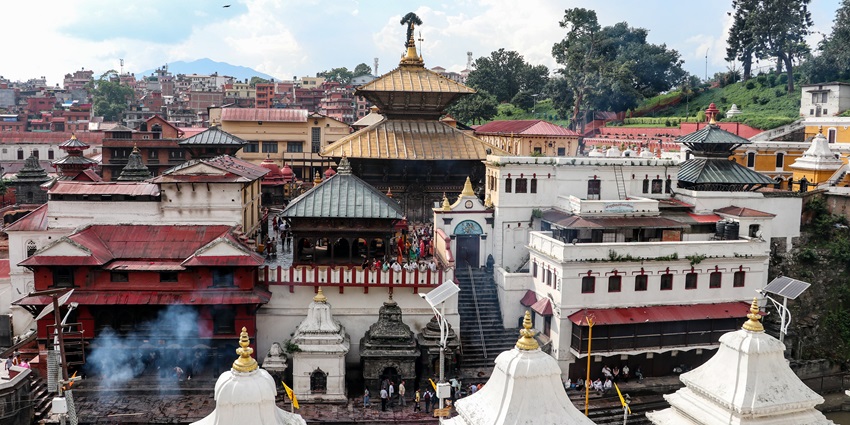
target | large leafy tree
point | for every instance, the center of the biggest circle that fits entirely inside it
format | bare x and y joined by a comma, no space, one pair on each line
475,108
505,73
780,28
741,43
110,98
610,68
833,62
362,69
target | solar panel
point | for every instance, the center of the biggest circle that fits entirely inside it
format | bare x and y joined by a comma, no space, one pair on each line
786,287
441,293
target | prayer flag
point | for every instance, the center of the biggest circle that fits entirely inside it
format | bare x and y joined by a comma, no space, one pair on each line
290,394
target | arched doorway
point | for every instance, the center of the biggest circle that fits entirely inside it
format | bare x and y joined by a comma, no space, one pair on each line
318,382
341,250
377,248
468,234
390,374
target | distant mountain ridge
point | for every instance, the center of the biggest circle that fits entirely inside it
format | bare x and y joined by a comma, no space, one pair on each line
207,66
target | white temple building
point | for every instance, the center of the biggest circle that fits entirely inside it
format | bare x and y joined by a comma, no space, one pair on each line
246,395
748,382
525,388
318,367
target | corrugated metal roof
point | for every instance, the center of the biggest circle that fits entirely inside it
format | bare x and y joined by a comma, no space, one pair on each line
743,212
529,298
159,265
524,127
705,171
343,195
213,136
73,142
413,79
240,170
543,306
34,221
714,135
66,187
410,140
267,115
571,221
662,313
208,297
253,260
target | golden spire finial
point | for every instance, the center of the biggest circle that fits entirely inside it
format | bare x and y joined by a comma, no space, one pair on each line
390,192
753,325
135,148
526,341
317,178
73,136
446,205
467,188
320,297
245,363
713,122
820,129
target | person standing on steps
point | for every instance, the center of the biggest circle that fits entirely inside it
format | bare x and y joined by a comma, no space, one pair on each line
401,401
383,400
366,398
416,398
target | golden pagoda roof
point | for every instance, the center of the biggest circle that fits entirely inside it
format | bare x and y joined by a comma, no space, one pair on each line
410,78
245,363
410,140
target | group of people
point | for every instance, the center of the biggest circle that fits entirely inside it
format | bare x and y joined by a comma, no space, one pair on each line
16,360
414,246
392,396
609,376
397,267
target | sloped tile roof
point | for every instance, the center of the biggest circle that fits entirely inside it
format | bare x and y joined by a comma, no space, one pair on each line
410,140
701,170
343,195
524,127
414,79
743,212
713,134
34,221
213,136
237,170
66,187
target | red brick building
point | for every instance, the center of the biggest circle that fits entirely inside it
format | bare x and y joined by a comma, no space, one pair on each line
125,276
157,142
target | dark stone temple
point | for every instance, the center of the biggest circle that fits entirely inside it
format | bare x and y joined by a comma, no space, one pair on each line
388,350
710,168
135,170
28,181
343,220
429,346
410,152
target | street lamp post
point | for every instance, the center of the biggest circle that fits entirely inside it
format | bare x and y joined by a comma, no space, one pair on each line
438,297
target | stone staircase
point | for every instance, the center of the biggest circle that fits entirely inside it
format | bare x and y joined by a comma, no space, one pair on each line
482,335
42,400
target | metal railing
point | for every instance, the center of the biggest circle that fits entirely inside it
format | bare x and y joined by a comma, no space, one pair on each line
477,313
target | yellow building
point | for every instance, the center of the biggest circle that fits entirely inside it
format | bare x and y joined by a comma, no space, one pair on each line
818,163
835,129
290,136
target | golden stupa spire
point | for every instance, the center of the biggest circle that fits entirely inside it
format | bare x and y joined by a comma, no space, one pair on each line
753,325
446,205
317,178
526,341
320,297
467,188
411,57
245,363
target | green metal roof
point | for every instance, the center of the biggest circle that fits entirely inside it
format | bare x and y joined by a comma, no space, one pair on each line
718,171
713,134
213,136
343,195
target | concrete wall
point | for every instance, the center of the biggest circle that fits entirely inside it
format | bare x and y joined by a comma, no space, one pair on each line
356,310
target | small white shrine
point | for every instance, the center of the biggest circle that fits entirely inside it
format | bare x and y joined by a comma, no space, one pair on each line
318,366
525,388
246,394
748,382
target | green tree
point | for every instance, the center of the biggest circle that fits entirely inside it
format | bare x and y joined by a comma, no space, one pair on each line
833,62
524,100
474,108
362,69
410,19
257,80
504,73
611,68
340,75
741,43
781,27
110,98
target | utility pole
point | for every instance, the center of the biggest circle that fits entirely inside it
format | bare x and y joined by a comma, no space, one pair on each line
589,321
706,63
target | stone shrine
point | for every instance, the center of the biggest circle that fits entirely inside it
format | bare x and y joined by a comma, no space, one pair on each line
525,388
28,183
246,394
318,366
429,345
388,350
135,170
747,382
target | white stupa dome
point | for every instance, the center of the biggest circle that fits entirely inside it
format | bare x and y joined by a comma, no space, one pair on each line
595,153
246,395
612,152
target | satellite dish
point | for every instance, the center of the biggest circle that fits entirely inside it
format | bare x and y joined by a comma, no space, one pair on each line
49,307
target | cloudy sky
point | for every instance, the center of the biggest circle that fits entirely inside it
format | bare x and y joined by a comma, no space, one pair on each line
285,38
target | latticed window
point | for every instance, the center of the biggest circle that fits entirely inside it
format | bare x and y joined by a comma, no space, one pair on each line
318,382
31,248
